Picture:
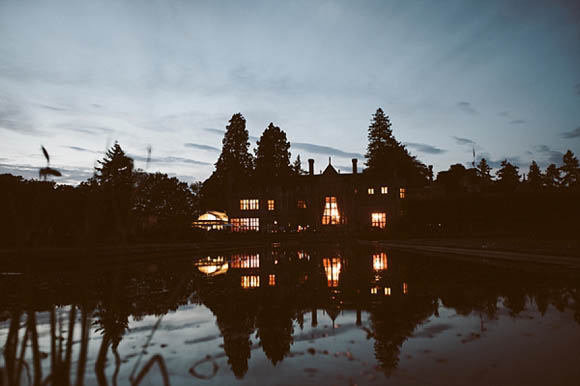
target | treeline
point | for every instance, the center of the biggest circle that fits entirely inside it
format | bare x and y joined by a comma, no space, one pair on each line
118,204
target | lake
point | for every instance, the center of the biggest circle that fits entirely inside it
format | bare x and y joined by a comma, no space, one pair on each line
291,315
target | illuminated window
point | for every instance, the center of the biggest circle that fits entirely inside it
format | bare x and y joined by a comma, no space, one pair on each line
374,290
387,290
405,288
380,261
402,192
371,190
330,214
245,261
379,220
271,205
245,224
246,204
251,281
271,279
384,189
332,268
301,204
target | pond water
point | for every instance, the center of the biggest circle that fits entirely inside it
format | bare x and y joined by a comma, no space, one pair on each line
318,315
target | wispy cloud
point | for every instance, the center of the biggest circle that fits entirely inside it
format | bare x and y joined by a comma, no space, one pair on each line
571,134
168,159
77,148
327,150
518,122
550,156
466,107
464,141
425,148
201,147
69,176
215,131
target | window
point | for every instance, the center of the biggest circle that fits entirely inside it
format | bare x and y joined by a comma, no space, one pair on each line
405,288
245,224
379,220
371,190
251,281
330,215
332,268
249,204
384,189
272,279
387,290
402,192
380,261
271,205
245,261
301,204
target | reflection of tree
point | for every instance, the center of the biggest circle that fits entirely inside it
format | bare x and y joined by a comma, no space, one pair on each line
275,329
393,321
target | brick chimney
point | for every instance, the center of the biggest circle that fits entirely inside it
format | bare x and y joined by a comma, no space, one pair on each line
354,166
311,166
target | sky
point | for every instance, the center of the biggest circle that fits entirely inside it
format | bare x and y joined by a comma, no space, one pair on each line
500,77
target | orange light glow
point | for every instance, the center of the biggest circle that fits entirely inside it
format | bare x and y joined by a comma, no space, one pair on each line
251,281
332,268
272,279
379,220
331,214
405,288
245,261
380,261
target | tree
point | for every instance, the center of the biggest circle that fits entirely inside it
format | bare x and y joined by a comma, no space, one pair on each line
387,157
484,170
571,170
272,154
508,176
234,165
114,179
552,177
297,167
535,177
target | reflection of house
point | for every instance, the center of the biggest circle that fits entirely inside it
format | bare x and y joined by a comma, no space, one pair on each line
212,220
353,200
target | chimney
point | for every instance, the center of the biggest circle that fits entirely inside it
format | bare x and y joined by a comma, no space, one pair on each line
354,168
311,166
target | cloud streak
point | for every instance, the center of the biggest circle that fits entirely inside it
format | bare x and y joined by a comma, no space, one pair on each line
425,148
327,150
464,141
198,146
571,134
466,107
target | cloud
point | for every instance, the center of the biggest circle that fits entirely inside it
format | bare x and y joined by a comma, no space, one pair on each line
466,107
550,156
317,149
77,148
201,147
424,148
571,134
92,130
464,141
69,176
505,114
518,121
215,131
13,118
168,159
577,89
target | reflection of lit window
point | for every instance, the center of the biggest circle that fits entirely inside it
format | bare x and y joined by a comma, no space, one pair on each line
380,261
402,192
250,281
301,204
379,220
271,279
253,204
245,224
303,255
270,204
387,290
332,269
405,288
330,215
371,191
245,261
384,189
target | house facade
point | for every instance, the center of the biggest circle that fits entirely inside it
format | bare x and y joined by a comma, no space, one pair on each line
354,201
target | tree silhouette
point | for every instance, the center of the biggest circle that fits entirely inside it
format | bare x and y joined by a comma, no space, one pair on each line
570,170
272,154
297,167
552,178
388,157
484,170
508,176
535,176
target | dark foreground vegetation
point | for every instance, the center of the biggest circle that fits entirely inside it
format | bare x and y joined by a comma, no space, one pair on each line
120,204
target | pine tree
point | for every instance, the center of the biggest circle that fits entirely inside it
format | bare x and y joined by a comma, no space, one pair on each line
552,178
235,159
272,154
388,157
535,176
508,176
570,170
116,168
297,167
484,170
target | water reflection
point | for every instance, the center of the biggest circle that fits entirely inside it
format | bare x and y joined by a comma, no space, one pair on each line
260,300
